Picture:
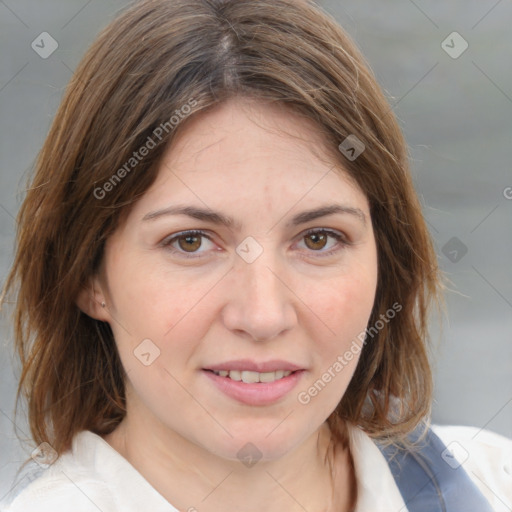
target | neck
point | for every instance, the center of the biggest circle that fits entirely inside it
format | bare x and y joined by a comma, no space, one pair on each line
311,477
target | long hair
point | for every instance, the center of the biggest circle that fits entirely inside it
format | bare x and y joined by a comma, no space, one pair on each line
157,65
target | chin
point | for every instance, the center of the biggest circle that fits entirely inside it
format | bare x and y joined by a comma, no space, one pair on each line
267,441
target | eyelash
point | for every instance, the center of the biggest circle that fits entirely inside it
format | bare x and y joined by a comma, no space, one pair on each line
341,239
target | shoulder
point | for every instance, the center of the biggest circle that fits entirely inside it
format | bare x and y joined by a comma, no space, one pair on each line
485,456
92,476
72,479
54,492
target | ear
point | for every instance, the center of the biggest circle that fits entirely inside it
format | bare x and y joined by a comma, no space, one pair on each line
91,300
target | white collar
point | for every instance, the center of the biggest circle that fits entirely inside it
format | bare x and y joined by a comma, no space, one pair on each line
376,487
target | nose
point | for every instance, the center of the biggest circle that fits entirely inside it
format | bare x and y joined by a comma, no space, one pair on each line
260,305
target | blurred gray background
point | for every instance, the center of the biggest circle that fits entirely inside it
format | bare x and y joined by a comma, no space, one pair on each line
455,107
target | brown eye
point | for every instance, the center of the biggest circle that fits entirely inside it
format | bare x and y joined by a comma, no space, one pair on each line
189,243
316,241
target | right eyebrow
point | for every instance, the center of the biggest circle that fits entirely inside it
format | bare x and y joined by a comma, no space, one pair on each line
194,212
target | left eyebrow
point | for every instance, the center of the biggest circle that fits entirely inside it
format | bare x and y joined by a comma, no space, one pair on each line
218,218
331,209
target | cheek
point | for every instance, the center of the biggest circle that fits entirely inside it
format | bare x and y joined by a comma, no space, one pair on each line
148,299
345,305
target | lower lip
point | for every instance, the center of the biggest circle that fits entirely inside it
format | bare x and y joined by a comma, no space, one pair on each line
259,393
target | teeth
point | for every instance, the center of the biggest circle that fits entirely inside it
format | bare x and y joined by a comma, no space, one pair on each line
252,377
235,375
268,377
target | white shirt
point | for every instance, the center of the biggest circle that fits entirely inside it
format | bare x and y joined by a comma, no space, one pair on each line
93,477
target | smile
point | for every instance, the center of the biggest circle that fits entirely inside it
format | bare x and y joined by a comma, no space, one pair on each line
254,388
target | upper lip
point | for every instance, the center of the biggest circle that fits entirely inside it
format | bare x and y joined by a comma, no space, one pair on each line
254,366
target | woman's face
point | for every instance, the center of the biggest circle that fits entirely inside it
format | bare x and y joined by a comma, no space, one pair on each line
249,255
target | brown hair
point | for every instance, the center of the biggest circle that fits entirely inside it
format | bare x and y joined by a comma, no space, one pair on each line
150,62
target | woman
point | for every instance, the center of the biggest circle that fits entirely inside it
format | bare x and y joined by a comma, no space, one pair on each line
223,280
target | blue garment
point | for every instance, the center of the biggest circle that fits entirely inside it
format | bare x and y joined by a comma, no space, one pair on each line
431,480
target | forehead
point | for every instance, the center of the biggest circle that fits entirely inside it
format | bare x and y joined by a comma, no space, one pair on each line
244,150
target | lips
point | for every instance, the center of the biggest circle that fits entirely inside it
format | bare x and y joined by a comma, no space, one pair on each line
255,383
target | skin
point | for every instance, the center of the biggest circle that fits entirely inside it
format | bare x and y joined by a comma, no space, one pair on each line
260,165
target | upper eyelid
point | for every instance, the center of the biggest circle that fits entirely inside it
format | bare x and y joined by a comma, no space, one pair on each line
200,232
167,241
206,233
324,230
